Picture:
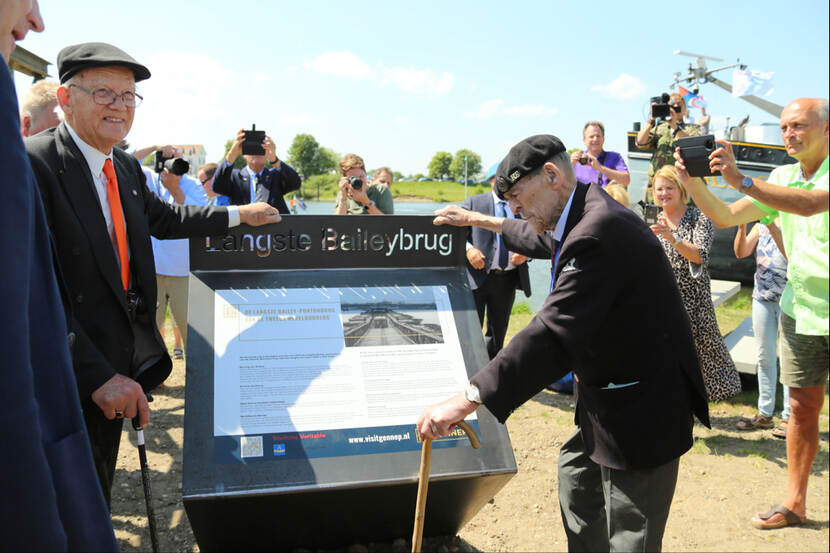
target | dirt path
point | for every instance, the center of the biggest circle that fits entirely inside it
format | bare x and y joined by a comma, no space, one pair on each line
726,478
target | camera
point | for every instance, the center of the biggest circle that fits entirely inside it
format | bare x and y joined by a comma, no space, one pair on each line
661,108
356,183
695,151
583,160
252,144
135,304
650,212
178,166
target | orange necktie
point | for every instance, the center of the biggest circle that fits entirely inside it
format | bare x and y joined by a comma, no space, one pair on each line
114,199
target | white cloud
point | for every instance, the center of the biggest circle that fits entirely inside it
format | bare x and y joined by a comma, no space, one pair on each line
418,81
531,110
341,64
177,107
491,108
486,109
624,87
408,79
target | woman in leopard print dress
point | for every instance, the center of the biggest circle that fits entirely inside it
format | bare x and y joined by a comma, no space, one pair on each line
686,236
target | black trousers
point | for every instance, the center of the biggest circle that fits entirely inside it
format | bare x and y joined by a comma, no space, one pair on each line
606,509
104,438
495,296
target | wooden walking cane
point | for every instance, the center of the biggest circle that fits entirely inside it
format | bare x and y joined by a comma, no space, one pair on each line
423,482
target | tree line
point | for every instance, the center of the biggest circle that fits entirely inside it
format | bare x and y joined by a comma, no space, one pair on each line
309,158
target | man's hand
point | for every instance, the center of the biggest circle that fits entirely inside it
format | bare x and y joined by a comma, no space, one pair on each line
125,396
575,157
236,147
517,259
360,196
440,419
476,258
723,160
691,184
173,185
259,213
455,216
270,148
593,161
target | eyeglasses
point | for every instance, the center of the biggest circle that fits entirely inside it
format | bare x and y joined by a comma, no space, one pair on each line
106,97
204,182
676,107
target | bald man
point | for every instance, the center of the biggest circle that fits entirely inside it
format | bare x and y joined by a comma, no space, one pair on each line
799,194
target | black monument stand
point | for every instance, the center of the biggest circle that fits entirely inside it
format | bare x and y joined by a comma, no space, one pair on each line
320,498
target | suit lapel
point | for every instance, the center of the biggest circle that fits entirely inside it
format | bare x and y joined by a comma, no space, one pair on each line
76,180
574,215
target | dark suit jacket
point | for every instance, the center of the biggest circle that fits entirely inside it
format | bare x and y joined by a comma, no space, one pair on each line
236,185
88,260
50,498
485,241
615,316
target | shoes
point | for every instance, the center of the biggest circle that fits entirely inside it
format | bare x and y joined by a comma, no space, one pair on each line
768,520
178,353
780,431
756,422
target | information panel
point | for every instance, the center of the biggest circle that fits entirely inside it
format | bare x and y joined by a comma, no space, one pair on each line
330,371
313,346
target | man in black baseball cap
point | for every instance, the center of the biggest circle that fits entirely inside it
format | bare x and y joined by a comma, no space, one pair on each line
613,286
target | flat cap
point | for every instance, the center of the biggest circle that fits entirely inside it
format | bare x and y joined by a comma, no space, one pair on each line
524,158
78,57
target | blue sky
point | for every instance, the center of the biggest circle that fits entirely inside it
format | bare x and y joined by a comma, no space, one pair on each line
397,81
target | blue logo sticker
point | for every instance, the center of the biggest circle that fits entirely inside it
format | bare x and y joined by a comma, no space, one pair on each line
279,449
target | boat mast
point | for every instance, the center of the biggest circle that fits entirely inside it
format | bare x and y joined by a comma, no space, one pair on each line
700,74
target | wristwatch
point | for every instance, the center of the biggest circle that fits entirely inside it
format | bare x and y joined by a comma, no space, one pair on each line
746,184
370,204
677,239
471,393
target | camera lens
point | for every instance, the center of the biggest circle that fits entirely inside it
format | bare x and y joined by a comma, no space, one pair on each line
583,160
356,183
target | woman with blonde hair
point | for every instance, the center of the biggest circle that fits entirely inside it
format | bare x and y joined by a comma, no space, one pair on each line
686,236
618,192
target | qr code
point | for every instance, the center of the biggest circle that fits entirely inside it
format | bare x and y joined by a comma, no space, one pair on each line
251,446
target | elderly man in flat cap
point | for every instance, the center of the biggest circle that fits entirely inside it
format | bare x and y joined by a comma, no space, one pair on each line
634,406
102,215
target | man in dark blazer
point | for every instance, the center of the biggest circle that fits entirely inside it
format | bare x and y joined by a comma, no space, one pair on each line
255,181
616,319
50,499
494,272
102,225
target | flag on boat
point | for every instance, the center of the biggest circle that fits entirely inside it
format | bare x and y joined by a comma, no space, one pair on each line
692,100
751,82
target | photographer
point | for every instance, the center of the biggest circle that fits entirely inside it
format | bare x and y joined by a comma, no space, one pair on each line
357,197
663,137
595,165
172,257
256,182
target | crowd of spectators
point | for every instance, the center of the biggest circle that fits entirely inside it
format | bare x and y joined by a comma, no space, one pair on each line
792,207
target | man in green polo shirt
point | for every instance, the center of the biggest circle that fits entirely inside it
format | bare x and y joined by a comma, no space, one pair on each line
799,194
364,198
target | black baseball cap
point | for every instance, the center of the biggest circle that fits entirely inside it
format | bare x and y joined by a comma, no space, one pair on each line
78,57
524,158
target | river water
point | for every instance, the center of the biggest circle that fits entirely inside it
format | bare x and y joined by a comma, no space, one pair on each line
539,268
